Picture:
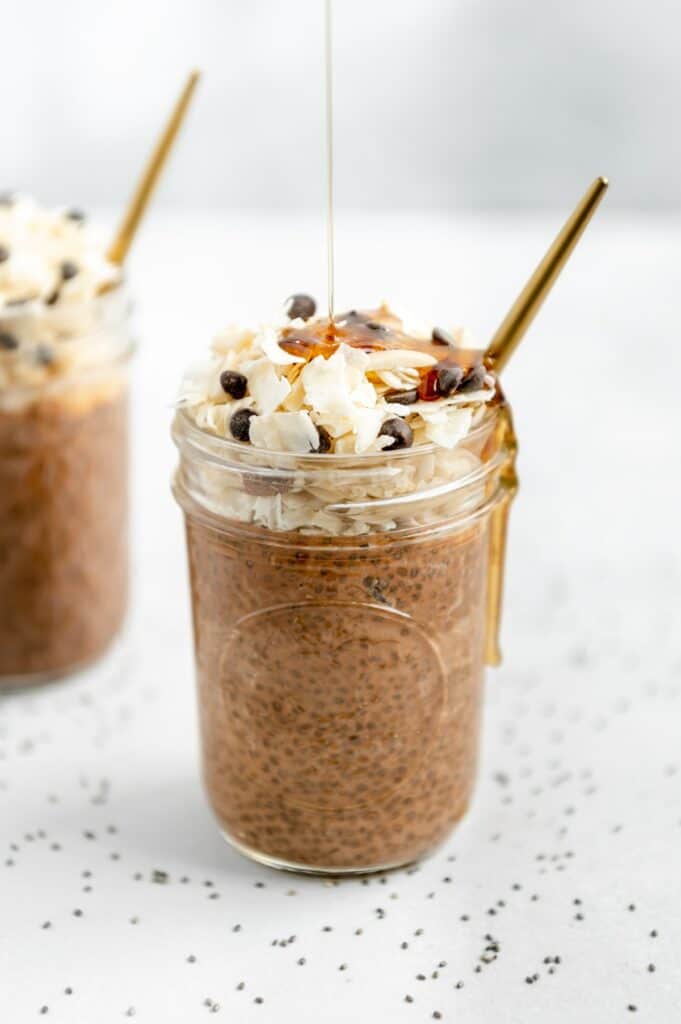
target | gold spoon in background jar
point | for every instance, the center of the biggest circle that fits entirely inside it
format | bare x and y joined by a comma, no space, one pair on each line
139,201
496,356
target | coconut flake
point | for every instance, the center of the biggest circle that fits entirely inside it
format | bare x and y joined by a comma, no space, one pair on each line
337,386
268,340
201,383
284,432
233,339
265,387
366,427
448,427
398,359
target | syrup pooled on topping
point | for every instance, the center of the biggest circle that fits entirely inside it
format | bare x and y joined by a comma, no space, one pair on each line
370,330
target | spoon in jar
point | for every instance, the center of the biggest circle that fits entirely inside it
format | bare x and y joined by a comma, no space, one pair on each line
495,358
523,311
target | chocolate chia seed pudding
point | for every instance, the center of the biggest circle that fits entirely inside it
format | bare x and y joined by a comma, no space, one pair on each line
64,346
63,537
339,691
339,593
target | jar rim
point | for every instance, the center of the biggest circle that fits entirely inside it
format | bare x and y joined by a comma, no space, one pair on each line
222,447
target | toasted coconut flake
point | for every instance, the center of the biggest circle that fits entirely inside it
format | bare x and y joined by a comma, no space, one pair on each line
398,359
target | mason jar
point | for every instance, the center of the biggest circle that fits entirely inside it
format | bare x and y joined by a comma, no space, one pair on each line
339,610
63,485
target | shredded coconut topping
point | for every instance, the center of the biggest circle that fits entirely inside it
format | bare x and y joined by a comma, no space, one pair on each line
49,255
53,270
362,385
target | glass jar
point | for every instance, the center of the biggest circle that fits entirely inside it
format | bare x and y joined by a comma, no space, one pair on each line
339,608
63,485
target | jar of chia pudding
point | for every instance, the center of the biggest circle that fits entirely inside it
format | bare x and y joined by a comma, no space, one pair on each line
64,350
338,506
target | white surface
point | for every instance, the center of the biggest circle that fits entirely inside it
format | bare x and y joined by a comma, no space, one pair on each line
580,779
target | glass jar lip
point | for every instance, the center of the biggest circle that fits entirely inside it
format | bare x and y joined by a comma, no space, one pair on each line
223,447
39,308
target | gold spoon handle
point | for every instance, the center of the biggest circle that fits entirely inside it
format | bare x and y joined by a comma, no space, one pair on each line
498,529
140,199
528,303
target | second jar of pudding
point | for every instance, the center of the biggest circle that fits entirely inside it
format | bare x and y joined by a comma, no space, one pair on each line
65,346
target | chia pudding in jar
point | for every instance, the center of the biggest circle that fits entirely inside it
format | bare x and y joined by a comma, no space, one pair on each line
64,349
338,482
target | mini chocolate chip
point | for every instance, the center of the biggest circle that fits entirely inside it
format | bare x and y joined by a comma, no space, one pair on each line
8,341
233,383
4,253
442,337
474,379
325,440
373,325
398,429
403,397
300,307
44,355
52,298
76,215
69,269
240,424
449,378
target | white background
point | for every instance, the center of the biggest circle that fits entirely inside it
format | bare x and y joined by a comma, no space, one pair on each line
452,103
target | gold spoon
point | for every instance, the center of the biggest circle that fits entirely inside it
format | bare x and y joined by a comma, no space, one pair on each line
497,355
528,303
140,199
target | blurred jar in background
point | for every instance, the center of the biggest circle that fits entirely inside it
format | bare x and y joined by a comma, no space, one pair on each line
64,356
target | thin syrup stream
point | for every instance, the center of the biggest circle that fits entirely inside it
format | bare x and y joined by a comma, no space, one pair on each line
328,37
